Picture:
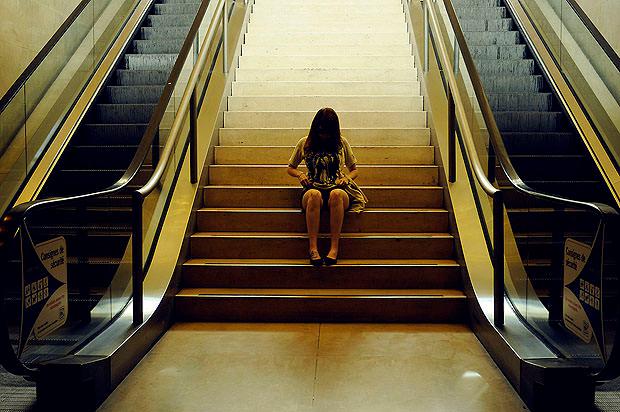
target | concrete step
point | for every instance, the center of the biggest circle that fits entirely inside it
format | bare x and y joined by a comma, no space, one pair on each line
276,175
290,136
321,305
321,88
402,49
267,38
326,75
290,196
338,103
293,220
418,155
298,273
273,245
335,26
322,61
328,17
347,119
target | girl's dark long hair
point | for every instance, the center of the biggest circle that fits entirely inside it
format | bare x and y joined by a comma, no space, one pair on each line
325,122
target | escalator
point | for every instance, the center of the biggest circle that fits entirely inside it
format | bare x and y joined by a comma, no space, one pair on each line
84,201
541,140
538,157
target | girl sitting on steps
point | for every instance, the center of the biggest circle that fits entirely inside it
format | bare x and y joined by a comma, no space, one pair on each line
325,152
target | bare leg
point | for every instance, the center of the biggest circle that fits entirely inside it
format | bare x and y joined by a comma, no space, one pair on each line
338,203
312,202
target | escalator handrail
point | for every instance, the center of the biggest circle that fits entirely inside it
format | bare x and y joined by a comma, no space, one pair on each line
184,105
40,57
603,210
13,220
594,31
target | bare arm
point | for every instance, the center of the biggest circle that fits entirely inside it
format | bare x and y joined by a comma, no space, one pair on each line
350,176
303,178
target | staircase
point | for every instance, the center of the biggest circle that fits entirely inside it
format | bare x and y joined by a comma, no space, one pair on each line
249,254
541,141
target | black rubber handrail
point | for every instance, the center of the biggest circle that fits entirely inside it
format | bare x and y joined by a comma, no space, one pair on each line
45,51
594,31
16,217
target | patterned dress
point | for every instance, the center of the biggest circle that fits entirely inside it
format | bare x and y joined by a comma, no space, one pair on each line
324,168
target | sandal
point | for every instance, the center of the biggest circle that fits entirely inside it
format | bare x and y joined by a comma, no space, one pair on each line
330,261
314,261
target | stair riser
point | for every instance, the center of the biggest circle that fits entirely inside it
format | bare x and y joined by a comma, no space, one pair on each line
393,26
157,46
317,75
111,134
240,309
290,197
209,221
335,277
122,113
267,38
152,33
262,175
520,84
505,67
347,119
281,88
419,155
357,103
290,136
296,50
297,248
301,62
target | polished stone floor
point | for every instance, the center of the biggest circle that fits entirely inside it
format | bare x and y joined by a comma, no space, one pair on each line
315,367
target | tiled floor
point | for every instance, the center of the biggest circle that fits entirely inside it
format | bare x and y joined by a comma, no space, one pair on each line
312,367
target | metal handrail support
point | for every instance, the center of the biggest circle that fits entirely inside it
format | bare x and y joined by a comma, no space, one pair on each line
188,105
456,115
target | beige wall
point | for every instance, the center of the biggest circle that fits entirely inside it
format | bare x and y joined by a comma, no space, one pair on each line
604,14
25,27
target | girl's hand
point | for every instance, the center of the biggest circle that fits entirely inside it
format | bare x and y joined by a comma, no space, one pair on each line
343,181
304,180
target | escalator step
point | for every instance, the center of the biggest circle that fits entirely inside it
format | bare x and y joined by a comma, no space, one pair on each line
122,113
486,25
516,67
170,20
108,134
158,46
163,61
133,94
484,12
536,142
177,8
149,33
141,77
487,38
510,52
529,121
514,83
521,101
